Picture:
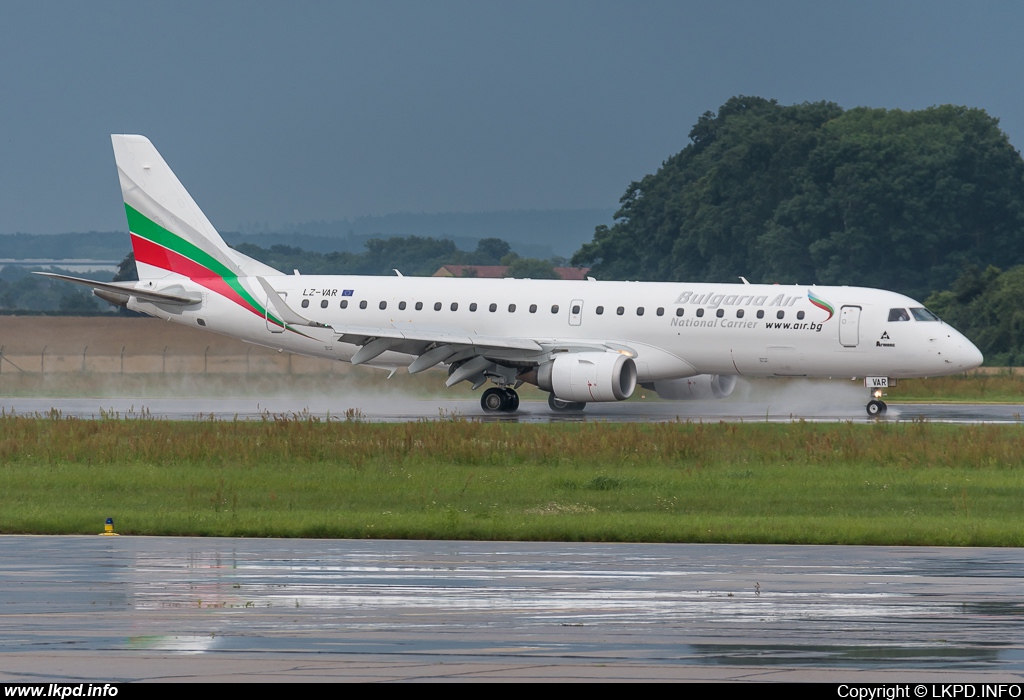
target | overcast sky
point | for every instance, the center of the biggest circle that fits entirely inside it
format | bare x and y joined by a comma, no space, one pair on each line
290,112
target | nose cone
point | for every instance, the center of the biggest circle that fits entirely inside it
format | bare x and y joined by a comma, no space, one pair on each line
970,356
962,353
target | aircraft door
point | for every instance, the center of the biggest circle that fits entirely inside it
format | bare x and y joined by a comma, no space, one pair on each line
576,312
849,326
273,327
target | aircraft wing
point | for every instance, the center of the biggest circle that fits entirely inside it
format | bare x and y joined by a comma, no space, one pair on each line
478,356
360,335
176,295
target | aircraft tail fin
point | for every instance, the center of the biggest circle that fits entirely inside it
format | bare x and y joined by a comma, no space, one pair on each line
170,234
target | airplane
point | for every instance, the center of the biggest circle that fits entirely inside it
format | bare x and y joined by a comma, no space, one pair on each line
579,341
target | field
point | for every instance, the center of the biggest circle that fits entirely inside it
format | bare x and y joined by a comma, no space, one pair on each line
911,483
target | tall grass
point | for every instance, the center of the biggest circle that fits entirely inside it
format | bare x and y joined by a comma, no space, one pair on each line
1002,387
872,484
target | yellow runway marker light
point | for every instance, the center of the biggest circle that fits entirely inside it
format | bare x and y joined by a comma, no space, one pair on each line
108,528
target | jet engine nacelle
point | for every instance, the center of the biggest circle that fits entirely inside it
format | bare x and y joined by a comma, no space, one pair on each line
589,376
703,386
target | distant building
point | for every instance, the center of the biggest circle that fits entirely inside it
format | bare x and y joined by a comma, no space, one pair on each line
499,271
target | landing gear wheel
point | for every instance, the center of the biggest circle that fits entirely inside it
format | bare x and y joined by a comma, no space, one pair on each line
511,401
556,404
876,408
494,400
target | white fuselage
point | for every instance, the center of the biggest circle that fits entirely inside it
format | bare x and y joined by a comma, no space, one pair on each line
732,329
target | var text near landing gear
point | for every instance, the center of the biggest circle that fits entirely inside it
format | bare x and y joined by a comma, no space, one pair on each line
556,404
876,407
500,400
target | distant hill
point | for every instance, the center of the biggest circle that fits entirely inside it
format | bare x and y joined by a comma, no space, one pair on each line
94,245
539,234
533,234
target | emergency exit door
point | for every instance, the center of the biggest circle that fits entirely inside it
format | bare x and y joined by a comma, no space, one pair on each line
576,312
849,326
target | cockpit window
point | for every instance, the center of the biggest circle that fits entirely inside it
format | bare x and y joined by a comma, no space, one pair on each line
898,315
924,315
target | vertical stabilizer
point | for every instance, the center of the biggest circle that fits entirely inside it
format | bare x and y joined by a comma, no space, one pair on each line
170,234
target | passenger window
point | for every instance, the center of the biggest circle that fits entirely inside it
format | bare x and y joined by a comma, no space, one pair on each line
781,314
576,308
800,315
679,311
362,305
621,310
739,313
455,306
599,310
401,306
639,311
661,310
383,305
344,303
323,304
554,308
437,306
760,313
720,313
511,308
700,313
472,307
305,303
419,305
492,308
533,308
898,315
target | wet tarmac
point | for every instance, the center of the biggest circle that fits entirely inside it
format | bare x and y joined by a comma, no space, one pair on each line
134,608
398,409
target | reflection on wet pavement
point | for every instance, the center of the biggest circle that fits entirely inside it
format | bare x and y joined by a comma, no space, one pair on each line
682,605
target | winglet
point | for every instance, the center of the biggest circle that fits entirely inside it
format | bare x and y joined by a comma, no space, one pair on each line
286,312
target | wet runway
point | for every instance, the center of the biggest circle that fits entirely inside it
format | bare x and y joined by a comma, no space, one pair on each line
135,608
398,409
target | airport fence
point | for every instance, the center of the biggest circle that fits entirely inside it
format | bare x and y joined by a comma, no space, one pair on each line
82,361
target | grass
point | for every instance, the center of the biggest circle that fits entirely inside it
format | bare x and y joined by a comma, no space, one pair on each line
907,483
998,387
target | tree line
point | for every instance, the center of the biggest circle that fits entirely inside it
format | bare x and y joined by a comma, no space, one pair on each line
815,194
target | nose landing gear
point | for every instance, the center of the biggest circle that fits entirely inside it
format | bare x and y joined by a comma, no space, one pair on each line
876,407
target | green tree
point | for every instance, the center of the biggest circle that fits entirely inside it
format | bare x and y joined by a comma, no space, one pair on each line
814,194
986,307
532,268
489,251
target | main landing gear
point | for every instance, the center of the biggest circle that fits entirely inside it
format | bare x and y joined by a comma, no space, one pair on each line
497,400
560,406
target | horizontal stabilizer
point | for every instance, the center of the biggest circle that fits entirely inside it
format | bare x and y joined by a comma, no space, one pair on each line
172,296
